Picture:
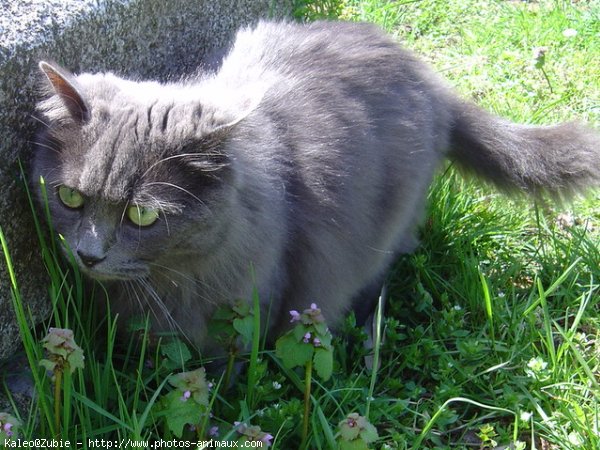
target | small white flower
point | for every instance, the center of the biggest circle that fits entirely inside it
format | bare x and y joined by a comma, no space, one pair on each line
569,32
575,439
537,364
526,416
501,294
519,445
457,308
276,385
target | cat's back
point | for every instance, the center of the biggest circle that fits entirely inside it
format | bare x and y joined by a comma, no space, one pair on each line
280,43
322,49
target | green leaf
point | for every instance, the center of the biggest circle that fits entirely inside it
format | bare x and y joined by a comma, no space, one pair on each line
321,328
323,363
220,325
176,351
348,431
357,444
291,352
244,326
299,331
221,332
62,349
76,360
325,339
48,365
356,429
180,413
242,308
195,382
369,433
224,314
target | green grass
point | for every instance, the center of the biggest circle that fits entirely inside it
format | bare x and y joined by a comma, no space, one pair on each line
492,327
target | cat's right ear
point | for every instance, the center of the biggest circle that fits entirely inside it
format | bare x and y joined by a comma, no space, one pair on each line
63,85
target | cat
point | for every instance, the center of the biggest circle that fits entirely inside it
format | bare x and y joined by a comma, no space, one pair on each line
300,168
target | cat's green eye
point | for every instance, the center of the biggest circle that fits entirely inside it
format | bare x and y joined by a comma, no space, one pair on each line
70,197
141,215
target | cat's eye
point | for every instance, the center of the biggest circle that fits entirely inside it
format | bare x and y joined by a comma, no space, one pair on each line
142,215
70,197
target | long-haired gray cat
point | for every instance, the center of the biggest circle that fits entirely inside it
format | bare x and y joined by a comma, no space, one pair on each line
300,168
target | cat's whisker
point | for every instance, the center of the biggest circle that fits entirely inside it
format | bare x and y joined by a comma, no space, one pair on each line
151,300
40,120
123,213
142,305
45,145
129,287
163,213
141,298
192,281
181,155
166,314
164,183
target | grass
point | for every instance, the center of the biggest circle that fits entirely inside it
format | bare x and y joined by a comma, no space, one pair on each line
491,332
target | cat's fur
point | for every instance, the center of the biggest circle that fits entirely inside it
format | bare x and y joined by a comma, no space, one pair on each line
301,167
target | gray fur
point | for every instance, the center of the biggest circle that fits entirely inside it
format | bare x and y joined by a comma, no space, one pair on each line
300,167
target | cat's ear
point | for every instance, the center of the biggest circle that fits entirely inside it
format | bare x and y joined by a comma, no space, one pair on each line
63,85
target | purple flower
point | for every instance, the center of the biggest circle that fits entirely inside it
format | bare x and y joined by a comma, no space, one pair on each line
306,337
267,438
214,431
8,429
186,395
317,342
312,315
295,315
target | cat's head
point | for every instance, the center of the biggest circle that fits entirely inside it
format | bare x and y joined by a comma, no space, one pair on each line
135,173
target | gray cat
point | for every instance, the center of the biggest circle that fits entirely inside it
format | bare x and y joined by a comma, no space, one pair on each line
300,167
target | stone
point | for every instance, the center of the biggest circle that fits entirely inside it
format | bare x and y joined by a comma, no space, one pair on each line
157,39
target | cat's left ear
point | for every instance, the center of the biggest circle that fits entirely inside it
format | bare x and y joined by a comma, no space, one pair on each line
64,86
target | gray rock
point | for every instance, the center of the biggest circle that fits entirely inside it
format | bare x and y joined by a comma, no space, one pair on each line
157,39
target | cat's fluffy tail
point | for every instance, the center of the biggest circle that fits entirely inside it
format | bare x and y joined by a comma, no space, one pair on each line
559,160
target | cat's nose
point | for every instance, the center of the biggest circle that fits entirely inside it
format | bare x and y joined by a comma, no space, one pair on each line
90,259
